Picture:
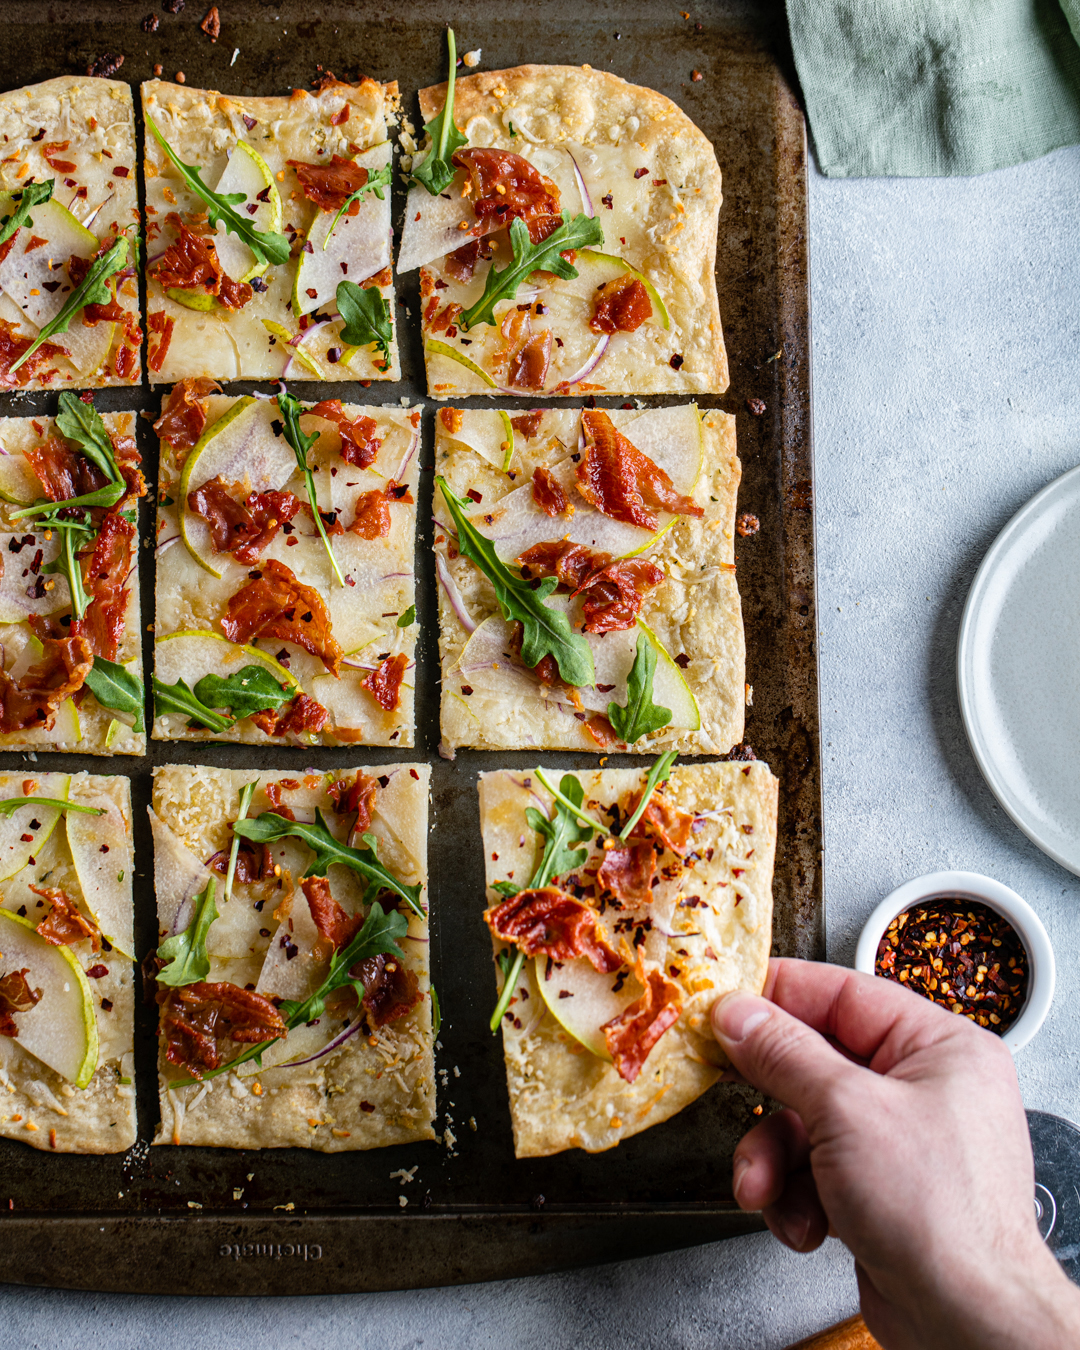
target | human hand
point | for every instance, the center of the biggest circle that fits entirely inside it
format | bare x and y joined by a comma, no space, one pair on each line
904,1135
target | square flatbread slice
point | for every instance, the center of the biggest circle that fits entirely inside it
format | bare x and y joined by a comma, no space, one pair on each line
692,619
28,592
354,1090
618,152
67,1061
705,929
348,647
278,320
78,133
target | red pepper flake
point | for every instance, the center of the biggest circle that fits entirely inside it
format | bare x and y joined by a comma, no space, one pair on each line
682,660
960,954
151,23
96,972
676,362
121,171
606,199
475,496
640,173
106,66
342,116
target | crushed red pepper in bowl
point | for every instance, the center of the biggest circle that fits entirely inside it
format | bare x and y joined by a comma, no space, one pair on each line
960,954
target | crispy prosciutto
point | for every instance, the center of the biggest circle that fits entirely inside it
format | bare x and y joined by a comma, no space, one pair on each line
628,872
12,347
337,927
242,527
62,471
384,682
191,263
612,591
184,416
548,922
527,355
390,990
104,575
299,715
198,1020
461,264
273,796
635,1031
503,186
359,796
528,423
623,482
372,519
359,444
664,822
112,311
16,996
329,186
65,924
30,702
160,325
548,494
275,604
254,862
620,306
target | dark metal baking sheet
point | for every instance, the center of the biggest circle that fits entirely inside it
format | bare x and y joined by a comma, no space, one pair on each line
304,1222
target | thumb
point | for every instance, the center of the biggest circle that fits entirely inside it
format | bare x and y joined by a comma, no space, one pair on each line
778,1054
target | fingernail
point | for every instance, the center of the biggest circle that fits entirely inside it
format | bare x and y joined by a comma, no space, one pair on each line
737,1014
793,1230
738,1171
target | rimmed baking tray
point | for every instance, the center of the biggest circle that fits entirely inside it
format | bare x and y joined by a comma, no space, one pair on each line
193,1220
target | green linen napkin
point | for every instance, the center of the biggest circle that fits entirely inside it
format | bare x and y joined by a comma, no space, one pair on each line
935,87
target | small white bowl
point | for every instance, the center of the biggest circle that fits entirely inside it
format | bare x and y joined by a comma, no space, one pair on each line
970,885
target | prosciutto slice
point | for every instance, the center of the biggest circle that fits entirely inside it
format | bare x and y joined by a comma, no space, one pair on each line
612,591
635,1031
623,482
65,924
548,922
184,416
505,186
276,604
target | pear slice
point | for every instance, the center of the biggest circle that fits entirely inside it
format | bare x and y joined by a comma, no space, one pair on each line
354,249
202,301
432,224
101,851
249,173
87,345
490,434
17,579
437,348
581,999
594,269
31,278
61,1028
238,447
65,730
178,876
15,851
192,653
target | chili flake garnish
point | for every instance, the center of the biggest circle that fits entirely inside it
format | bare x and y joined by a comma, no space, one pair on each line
959,954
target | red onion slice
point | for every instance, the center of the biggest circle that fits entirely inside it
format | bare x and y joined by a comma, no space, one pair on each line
457,603
399,476
165,544
338,1040
591,364
586,200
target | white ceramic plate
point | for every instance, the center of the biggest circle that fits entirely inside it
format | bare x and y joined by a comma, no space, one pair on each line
1018,669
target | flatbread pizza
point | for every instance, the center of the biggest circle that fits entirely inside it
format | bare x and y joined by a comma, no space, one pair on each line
69,222
587,592
268,233
571,245
620,909
285,587
66,972
292,972
70,645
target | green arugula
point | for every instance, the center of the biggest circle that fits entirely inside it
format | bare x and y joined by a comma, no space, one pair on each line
409,617
10,805
640,715
267,246
82,424
581,232
246,794
178,698
269,827
92,290
545,630
376,182
659,773
117,688
568,801
435,172
249,690
291,412
33,194
367,317
185,953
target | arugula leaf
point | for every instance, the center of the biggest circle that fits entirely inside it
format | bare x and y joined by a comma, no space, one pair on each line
269,826
640,715
376,181
178,698
115,687
510,960
581,232
105,496
10,805
186,952
81,422
75,535
249,690
93,290
267,246
659,773
507,888
545,630
367,317
246,794
569,801
436,173
291,412
409,617
33,194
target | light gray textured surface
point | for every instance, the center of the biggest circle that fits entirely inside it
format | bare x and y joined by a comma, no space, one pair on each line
946,352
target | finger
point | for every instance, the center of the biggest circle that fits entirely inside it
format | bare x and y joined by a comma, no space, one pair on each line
779,1055
766,1156
798,1218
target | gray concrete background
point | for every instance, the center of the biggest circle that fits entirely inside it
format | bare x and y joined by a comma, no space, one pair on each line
946,352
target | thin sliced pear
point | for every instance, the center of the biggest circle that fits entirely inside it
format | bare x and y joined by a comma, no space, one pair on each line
101,851
178,876
592,264
488,432
192,653
304,357
15,604
15,851
249,173
437,348
61,1028
30,278
581,999
201,301
238,447
432,224
87,345
66,730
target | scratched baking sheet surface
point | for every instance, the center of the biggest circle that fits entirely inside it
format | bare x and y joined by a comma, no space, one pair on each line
744,104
